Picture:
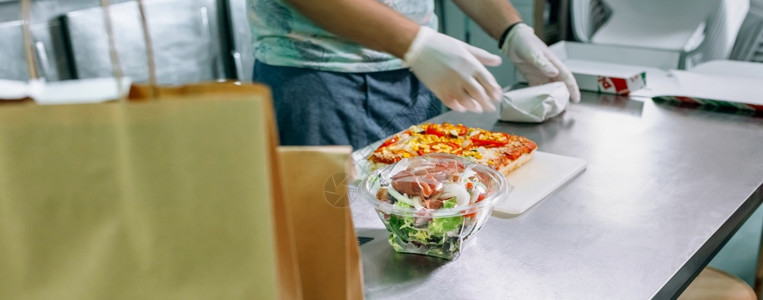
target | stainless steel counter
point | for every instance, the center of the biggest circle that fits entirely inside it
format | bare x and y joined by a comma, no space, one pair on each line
665,188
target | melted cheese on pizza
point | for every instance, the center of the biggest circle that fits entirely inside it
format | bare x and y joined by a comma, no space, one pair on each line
495,149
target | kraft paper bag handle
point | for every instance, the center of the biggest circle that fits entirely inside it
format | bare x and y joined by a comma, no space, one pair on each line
29,45
153,91
113,54
149,52
27,37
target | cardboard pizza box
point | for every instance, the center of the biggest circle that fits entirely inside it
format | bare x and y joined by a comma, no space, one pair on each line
613,69
720,86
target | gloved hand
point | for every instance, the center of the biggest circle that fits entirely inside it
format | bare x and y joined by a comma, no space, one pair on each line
454,71
535,61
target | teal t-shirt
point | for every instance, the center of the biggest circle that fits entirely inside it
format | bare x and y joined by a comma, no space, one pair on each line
284,37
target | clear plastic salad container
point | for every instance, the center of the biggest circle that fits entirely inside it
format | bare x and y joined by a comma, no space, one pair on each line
432,203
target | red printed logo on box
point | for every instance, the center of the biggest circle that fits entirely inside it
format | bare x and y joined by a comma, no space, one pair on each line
621,86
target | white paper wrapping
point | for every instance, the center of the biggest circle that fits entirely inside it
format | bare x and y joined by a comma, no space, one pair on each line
534,104
65,92
14,90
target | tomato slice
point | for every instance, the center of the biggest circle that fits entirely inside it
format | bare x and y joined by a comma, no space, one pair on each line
461,129
474,214
389,141
435,130
481,197
488,143
491,139
445,129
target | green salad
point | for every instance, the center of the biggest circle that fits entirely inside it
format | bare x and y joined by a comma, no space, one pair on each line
428,205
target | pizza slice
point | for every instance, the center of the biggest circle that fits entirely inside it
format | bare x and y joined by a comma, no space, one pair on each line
501,151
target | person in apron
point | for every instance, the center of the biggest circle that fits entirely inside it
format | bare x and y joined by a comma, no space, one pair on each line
351,72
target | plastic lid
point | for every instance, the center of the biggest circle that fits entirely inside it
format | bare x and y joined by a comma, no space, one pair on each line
438,184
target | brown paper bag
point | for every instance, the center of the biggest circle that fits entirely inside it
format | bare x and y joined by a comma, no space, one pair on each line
316,179
161,200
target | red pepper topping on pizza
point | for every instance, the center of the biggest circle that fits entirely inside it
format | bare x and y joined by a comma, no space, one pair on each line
501,151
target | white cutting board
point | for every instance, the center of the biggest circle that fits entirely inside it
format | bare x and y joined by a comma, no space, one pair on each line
537,179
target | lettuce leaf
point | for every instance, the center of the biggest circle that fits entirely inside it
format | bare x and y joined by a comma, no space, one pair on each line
402,226
441,226
402,204
421,236
450,203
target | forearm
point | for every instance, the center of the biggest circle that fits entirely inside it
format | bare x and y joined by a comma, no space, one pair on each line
494,16
366,22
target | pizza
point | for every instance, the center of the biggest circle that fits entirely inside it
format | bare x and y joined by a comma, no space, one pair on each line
501,151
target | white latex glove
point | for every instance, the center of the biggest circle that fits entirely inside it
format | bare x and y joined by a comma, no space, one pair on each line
535,61
454,71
